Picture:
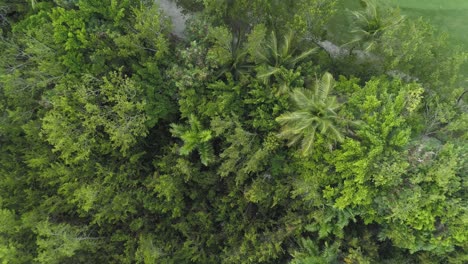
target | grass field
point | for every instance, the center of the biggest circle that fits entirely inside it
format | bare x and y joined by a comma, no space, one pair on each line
447,16
450,16
433,4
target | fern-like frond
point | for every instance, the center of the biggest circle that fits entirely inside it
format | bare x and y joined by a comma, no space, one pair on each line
204,136
324,86
273,48
302,98
265,73
308,141
206,153
286,47
194,123
302,56
177,130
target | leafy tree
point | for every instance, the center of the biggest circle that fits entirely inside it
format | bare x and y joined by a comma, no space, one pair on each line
310,253
86,116
384,175
412,58
60,243
121,143
304,16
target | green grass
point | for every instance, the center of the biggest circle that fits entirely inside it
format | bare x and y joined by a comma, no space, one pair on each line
448,16
434,4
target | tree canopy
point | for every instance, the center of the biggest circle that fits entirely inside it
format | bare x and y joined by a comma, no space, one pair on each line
246,140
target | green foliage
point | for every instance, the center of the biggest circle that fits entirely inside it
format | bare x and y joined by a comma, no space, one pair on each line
147,253
227,52
122,143
372,22
61,243
275,60
310,253
85,116
315,111
416,54
303,16
195,137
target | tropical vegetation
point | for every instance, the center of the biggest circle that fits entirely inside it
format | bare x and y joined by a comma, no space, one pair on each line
261,135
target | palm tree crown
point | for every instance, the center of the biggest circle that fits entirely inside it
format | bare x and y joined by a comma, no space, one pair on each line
315,111
371,22
273,55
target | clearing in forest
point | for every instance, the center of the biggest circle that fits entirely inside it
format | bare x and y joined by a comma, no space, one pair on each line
447,16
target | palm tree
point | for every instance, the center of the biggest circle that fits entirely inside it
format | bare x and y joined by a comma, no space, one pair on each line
371,22
237,64
194,138
315,112
229,47
273,56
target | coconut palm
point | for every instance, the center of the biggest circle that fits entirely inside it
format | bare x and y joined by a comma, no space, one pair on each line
371,22
273,56
315,112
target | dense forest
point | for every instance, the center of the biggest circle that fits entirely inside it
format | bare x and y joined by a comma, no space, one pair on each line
265,133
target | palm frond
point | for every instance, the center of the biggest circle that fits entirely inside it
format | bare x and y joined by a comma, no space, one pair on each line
194,123
204,136
285,49
308,141
206,153
194,137
337,134
303,56
277,54
265,73
294,139
290,117
324,86
302,98
190,139
371,22
273,45
177,130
